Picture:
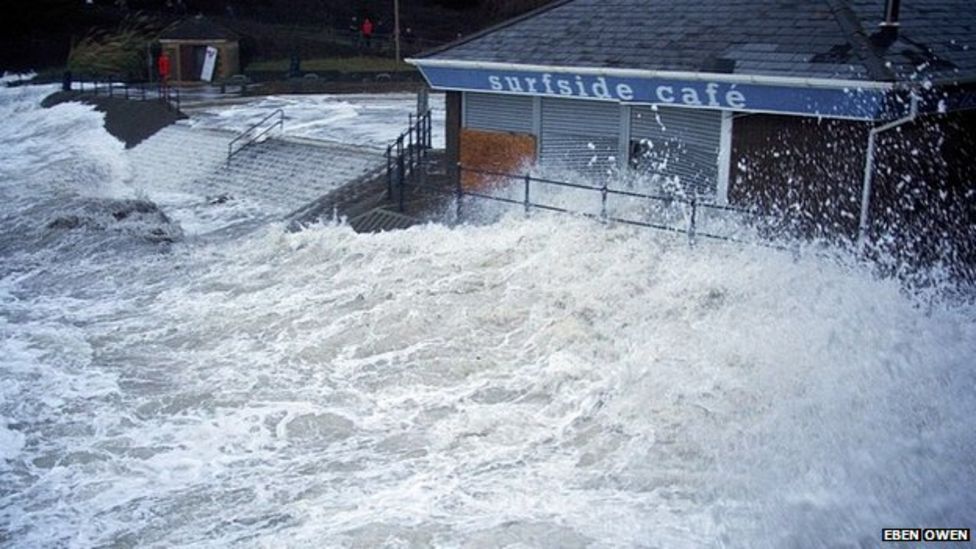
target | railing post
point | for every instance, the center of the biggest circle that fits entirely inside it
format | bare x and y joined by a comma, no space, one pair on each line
410,130
603,201
528,180
400,179
692,222
425,129
389,172
458,193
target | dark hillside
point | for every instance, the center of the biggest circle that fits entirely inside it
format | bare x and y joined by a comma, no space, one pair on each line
39,34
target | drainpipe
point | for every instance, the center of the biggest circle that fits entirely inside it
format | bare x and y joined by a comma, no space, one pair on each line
862,231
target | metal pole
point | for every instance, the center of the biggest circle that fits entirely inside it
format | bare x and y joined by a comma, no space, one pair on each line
528,180
862,229
149,61
389,172
410,151
691,223
458,193
396,31
421,133
603,198
400,176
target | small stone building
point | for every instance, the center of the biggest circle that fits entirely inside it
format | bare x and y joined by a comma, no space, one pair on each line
186,45
856,117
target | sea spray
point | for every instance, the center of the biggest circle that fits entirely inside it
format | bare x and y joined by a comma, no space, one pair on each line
544,380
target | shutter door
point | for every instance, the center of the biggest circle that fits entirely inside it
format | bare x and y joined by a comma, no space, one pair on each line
503,113
582,136
679,142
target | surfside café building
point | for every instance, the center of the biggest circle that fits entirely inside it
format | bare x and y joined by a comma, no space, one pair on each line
853,117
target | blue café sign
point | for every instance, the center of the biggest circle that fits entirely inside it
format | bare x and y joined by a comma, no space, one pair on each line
831,102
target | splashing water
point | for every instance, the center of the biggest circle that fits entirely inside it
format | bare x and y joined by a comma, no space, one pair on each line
539,382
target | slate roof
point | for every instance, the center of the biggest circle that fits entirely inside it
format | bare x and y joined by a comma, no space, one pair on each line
197,28
834,39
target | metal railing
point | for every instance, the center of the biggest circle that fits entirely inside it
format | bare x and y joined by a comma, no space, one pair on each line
408,153
123,90
246,138
692,207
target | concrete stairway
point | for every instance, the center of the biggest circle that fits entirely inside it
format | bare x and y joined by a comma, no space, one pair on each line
176,155
185,171
285,174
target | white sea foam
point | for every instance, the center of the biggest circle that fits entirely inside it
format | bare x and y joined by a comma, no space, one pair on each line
368,120
533,382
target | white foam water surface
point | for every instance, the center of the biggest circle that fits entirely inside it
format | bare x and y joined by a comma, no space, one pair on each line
542,382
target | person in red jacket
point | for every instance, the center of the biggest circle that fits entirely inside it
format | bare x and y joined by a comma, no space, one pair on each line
367,29
163,66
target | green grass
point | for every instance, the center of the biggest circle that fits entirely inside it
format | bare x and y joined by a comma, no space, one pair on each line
342,64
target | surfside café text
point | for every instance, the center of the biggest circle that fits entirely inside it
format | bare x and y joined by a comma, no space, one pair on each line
711,94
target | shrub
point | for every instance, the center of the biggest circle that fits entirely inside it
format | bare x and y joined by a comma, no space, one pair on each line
121,53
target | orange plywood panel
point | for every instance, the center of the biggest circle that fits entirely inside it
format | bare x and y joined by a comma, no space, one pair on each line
502,152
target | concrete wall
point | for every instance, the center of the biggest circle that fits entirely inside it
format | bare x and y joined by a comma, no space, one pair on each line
809,171
924,197
806,170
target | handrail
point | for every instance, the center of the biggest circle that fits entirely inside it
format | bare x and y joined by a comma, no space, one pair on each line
608,190
694,205
280,123
161,92
407,153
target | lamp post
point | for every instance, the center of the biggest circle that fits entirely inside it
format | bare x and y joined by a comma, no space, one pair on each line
396,31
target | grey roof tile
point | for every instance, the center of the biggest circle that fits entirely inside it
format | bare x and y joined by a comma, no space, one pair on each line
937,38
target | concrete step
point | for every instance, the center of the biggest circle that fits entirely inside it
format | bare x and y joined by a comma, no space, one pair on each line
186,171
287,174
175,155
366,205
380,219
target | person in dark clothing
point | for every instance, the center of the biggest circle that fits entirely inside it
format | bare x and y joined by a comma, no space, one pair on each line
367,30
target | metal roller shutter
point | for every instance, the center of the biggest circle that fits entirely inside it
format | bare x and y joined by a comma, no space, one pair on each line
680,142
504,113
580,135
